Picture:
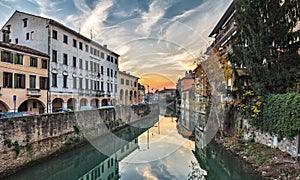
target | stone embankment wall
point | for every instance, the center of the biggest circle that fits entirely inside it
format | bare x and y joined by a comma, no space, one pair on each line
286,145
26,139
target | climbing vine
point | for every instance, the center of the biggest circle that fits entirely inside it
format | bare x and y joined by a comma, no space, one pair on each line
274,113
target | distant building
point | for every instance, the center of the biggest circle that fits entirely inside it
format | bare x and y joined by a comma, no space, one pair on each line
24,74
184,87
82,72
128,88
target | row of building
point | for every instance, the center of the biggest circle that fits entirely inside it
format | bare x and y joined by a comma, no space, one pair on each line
46,66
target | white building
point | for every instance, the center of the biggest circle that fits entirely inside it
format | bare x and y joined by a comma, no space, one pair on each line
81,71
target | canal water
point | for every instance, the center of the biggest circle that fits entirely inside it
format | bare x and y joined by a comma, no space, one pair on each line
158,153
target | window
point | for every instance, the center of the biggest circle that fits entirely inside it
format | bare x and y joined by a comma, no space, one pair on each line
102,55
32,82
102,86
19,59
80,45
27,36
54,56
65,81
54,34
44,64
16,40
33,62
86,48
80,63
101,69
87,65
108,57
54,80
80,83
34,104
6,57
31,35
116,88
111,59
95,67
7,80
44,83
74,43
127,82
91,64
86,84
116,61
65,59
25,22
135,84
122,81
19,81
92,85
74,82
91,50
108,87
107,71
74,61
65,39
116,74
111,73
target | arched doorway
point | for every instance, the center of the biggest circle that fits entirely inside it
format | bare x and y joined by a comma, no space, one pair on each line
121,96
130,97
57,104
71,104
32,105
135,97
95,103
104,102
3,107
126,97
83,102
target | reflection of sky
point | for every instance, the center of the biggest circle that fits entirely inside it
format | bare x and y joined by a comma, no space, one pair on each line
168,157
176,31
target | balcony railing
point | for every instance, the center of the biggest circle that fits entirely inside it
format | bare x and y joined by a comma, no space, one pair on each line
33,92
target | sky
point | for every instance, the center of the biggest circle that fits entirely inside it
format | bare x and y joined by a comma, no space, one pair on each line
157,40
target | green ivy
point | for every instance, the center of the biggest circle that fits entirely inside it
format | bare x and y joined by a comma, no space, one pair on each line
280,114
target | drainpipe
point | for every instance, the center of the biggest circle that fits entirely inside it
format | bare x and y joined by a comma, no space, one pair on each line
49,60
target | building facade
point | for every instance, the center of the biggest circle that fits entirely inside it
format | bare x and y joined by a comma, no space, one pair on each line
128,88
82,72
24,79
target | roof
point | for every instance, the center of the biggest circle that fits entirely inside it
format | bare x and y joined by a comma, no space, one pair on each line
166,91
58,24
128,74
230,10
24,49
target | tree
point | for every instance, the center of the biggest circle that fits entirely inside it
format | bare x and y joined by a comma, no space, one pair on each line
265,45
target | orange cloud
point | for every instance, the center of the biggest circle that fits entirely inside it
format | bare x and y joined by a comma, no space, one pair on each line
156,81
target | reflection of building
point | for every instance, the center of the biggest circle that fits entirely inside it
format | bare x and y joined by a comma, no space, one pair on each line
82,72
128,88
108,169
166,93
24,73
141,92
184,86
127,149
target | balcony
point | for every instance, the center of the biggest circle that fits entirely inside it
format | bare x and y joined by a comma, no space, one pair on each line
33,92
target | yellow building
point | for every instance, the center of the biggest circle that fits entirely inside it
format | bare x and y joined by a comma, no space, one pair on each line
128,88
23,79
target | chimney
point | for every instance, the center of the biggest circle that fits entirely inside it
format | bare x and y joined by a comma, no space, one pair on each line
5,32
105,46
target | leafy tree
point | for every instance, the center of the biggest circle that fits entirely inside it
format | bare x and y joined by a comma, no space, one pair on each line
266,45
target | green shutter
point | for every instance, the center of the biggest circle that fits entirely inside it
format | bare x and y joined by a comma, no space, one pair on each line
15,80
23,81
2,55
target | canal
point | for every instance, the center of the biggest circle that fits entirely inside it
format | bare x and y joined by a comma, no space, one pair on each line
160,152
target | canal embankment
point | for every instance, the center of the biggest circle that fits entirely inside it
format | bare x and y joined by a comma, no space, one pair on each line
30,139
270,163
